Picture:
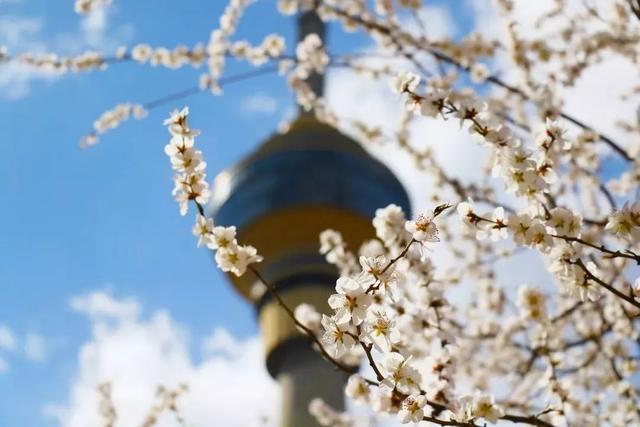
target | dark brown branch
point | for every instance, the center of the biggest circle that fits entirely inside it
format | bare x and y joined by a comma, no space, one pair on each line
526,419
635,7
345,368
441,56
604,284
613,254
196,89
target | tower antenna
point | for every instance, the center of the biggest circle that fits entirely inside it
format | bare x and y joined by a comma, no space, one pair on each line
310,23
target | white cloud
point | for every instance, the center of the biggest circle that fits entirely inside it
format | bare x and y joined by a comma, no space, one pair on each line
97,33
7,339
16,80
220,342
436,21
25,35
260,103
356,97
14,30
8,342
372,102
94,24
19,34
595,97
100,306
35,347
229,386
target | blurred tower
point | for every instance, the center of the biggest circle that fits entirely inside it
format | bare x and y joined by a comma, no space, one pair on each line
294,186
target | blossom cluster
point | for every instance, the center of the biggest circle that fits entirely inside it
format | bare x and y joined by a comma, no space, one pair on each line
190,185
111,119
219,38
50,62
170,58
390,308
271,47
625,223
526,172
190,182
167,401
451,342
311,58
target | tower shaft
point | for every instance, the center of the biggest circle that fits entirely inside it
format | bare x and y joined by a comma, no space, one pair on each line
305,375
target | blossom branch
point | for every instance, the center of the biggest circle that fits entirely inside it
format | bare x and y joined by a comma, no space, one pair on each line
604,284
613,254
272,291
441,56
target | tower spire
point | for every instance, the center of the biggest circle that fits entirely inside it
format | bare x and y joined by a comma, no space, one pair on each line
310,23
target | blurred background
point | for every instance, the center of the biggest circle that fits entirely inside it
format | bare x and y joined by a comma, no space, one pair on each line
100,278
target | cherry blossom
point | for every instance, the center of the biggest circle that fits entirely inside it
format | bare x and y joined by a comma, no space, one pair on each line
351,301
338,337
412,409
446,338
357,389
423,230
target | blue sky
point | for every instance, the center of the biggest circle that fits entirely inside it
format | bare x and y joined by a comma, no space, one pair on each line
74,221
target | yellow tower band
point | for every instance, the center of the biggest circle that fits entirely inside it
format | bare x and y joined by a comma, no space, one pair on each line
275,324
285,232
276,235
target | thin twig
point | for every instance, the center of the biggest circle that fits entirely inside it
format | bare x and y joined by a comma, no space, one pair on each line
613,254
604,284
345,368
491,79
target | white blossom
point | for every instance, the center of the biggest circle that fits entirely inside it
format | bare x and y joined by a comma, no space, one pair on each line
565,222
423,229
389,224
532,303
338,337
412,409
479,73
311,55
538,236
625,223
496,229
236,259
357,389
519,225
351,301
405,81
203,230
380,330
308,316
222,237
400,374
485,407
